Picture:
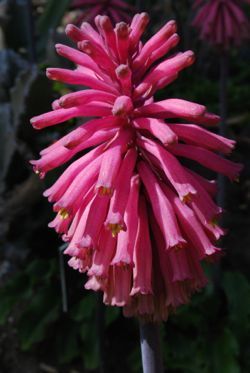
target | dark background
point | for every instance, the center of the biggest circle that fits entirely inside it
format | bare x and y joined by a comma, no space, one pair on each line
211,334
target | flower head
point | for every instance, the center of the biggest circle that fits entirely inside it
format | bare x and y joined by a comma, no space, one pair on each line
136,220
222,22
117,10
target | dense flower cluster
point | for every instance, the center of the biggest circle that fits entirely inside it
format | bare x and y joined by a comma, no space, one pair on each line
222,22
136,219
117,10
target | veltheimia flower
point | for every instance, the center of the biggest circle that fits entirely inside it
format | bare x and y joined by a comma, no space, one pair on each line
136,219
222,22
117,10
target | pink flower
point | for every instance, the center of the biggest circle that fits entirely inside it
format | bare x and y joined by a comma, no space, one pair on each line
222,22
87,10
136,220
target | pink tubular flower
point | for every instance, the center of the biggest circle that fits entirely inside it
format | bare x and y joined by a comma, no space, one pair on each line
136,220
87,10
222,22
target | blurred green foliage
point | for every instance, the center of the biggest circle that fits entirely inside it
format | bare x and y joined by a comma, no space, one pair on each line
218,323
208,335
33,296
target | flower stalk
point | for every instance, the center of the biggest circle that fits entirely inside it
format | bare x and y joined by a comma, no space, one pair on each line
151,352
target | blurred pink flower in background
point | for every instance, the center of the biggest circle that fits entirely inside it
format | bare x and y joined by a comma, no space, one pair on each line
136,220
222,22
117,10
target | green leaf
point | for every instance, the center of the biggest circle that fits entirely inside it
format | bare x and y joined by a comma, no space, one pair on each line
5,308
41,269
90,350
237,290
40,313
32,330
67,343
15,287
84,309
111,315
88,332
184,354
225,353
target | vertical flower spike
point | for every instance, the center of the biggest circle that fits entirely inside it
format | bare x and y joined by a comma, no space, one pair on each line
117,10
221,22
137,221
